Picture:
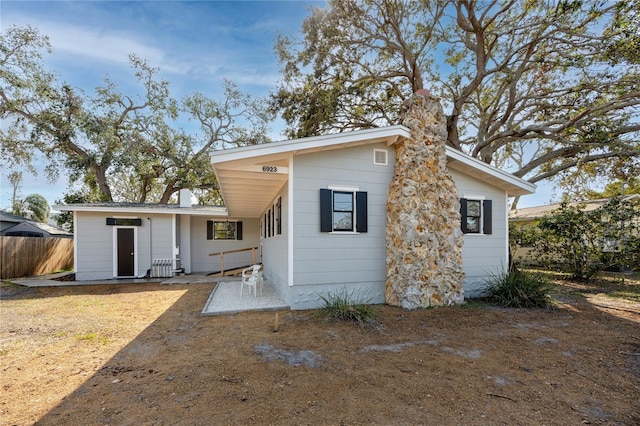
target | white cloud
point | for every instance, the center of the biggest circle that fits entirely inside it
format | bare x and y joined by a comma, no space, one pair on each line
91,44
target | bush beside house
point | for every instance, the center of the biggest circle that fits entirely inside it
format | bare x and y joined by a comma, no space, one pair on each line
579,238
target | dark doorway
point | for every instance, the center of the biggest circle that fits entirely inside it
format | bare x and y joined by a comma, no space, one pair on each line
125,252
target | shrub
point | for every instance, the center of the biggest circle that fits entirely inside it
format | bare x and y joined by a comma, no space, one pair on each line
585,242
343,306
518,289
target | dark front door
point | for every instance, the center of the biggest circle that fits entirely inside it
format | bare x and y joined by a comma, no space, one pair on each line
125,252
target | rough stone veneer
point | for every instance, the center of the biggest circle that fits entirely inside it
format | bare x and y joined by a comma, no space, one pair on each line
424,240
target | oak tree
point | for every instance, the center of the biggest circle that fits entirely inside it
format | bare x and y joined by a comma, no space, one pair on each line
540,88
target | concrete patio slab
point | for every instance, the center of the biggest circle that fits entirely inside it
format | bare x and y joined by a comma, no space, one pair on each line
226,299
45,282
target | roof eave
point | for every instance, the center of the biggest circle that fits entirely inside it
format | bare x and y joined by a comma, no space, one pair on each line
390,135
514,186
219,211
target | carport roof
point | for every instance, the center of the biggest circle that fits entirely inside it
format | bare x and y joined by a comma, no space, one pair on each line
143,208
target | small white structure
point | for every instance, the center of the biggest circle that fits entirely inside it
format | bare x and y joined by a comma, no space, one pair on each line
316,207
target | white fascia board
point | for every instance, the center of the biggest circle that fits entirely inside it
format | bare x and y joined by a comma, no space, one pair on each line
507,177
220,211
310,143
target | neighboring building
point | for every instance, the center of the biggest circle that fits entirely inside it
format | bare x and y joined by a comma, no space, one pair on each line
530,215
12,225
316,208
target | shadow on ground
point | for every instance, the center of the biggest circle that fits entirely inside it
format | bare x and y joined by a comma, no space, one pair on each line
473,365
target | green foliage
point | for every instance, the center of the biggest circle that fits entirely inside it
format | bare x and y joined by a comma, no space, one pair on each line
124,147
36,207
33,206
522,235
343,306
616,188
545,88
518,289
585,242
64,219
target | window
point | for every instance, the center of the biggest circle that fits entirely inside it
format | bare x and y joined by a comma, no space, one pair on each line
380,157
111,221
279,216
476,216
264,222
224,230
273,222
343,210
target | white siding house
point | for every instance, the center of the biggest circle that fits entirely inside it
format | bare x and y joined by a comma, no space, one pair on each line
124,240
281,184
283,198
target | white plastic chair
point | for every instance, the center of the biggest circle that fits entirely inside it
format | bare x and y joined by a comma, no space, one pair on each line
252,278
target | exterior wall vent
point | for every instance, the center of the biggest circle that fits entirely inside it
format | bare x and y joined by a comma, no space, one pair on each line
380,157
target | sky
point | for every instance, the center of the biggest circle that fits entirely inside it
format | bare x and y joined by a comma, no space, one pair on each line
195,45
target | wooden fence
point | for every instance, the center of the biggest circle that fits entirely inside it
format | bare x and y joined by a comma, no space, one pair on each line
29,256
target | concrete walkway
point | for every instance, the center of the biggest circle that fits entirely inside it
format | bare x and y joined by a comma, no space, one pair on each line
224,299
49,281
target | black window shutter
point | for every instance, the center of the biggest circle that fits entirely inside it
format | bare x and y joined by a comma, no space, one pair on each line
463,215
486,217
238,230
209,230
361,212
326,211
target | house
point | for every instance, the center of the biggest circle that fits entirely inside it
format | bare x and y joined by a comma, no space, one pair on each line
310,246
125,240
12,225
315,207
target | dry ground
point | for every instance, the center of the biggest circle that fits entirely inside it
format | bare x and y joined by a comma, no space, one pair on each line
143,355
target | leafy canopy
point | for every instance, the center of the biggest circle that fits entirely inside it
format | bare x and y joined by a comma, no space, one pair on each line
116,146
543,88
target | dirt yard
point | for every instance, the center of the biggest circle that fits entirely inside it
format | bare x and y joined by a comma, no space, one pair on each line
143,355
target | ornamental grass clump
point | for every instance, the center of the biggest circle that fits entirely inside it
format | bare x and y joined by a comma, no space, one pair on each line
343,306
518,289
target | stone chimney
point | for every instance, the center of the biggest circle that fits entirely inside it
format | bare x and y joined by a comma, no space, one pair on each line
424,240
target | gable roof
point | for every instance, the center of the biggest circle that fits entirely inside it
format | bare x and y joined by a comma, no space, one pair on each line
17,223
250,177
10,217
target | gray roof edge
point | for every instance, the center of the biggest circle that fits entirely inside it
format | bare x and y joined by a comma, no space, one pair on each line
290,145
143,208
492,170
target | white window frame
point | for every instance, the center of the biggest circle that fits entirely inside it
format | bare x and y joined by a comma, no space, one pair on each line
352,190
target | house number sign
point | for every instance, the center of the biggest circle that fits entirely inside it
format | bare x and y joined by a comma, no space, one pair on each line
269,169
